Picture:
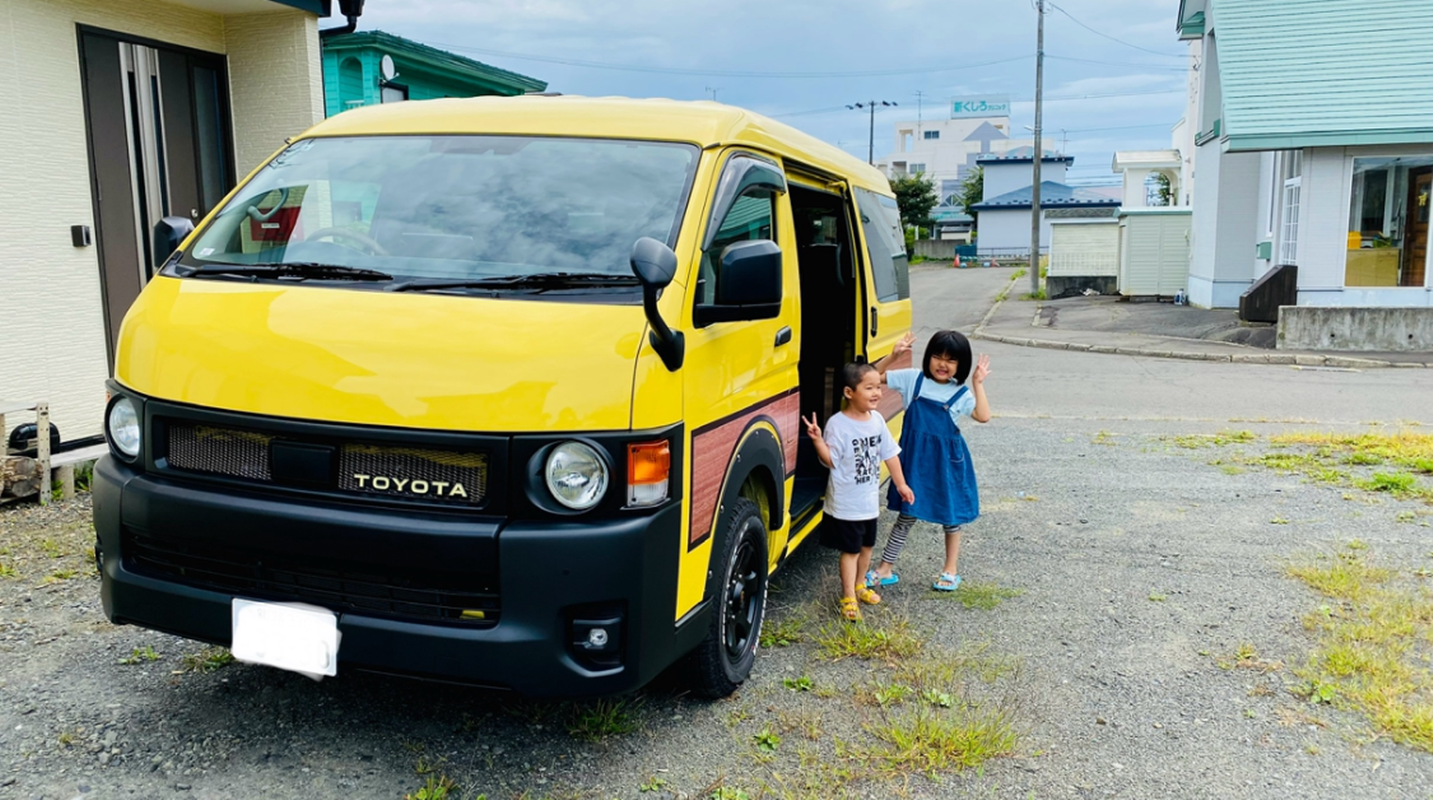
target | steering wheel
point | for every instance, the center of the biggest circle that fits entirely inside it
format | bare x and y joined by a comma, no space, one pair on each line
345,233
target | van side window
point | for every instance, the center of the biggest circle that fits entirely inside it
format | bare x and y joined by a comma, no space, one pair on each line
752,216
886,245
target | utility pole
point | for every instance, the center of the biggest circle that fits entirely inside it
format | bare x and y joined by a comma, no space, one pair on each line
1039,151
714,90
871,142
919,117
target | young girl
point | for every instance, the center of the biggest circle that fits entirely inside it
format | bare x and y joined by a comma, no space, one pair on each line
932,450
854,445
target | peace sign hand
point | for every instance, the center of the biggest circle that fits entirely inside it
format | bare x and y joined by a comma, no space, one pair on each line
813,429
904,345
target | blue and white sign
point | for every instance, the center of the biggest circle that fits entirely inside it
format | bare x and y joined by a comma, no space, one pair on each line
992,106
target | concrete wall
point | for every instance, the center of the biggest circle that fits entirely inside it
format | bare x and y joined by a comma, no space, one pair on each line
276,81
936,249
1359,329
51,313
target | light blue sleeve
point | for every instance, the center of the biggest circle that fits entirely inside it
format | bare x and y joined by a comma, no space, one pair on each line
903,381
963,407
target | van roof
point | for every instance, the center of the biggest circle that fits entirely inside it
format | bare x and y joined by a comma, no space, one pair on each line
700,122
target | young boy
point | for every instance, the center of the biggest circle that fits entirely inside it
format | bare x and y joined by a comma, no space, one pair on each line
855,443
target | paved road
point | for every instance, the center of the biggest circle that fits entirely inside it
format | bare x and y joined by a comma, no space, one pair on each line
1090,514
1062,384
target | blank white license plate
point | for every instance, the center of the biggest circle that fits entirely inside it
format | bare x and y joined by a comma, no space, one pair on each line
292,637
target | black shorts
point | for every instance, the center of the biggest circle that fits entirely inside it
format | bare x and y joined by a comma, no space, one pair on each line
848,536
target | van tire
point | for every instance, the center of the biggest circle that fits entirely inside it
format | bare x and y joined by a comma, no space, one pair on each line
724,659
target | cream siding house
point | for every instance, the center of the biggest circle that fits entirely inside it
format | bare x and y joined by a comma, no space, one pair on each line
1314,138
122,112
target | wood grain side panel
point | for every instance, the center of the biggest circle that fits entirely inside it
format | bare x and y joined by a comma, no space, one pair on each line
714,446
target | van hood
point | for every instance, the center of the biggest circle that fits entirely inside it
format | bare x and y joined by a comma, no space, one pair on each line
417,360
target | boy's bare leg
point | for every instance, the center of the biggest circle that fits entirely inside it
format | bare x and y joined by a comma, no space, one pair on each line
849,573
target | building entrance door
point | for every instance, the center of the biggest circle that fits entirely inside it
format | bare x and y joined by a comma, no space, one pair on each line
1415,240
160,145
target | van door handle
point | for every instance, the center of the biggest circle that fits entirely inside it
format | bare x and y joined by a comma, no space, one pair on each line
875,322
783,336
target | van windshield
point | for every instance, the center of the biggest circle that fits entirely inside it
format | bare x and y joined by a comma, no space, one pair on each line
451,208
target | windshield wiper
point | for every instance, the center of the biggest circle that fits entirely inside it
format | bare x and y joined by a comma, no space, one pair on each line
537,280
303,270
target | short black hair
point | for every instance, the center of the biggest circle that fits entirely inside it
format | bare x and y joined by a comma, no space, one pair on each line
952,345
852,374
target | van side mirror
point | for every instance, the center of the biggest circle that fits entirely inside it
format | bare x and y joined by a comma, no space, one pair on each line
749,285
169,233
655,265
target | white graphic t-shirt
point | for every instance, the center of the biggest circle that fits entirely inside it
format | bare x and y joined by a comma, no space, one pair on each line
857,449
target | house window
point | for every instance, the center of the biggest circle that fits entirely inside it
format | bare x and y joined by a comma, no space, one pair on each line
1292,190
1388,222
916,169
931,135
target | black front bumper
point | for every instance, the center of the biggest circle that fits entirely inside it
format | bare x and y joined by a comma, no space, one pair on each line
543,572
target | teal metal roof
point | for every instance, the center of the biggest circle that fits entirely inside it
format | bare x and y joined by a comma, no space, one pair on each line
1309,73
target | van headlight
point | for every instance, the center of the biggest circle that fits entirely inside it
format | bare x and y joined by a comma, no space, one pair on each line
576,475
122,425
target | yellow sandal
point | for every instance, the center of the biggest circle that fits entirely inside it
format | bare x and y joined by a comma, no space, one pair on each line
865,595
850,610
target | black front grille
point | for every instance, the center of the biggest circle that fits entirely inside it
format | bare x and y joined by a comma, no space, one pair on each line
413,472
455,476
432,596
219,451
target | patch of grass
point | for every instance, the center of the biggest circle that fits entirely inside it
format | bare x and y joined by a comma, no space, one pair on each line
137,656
653,784
7,571
892,694
1003,296
783,632
61,575
206,660
1246,656
1157,597
53,549
884,638
1232,469
1018,274
1278,521
1196,441
728,793
437,787
1398,483
801,684
806,723
601,719
1104,438
1372,645
1040,295
934,740
766,741
982,596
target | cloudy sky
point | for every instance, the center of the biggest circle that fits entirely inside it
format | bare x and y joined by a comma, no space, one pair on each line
1114,69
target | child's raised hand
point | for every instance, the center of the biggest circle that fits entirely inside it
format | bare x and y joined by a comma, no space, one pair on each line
982,369
813,428
904,490
904,345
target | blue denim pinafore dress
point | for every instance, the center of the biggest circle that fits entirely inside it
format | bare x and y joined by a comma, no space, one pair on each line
936,464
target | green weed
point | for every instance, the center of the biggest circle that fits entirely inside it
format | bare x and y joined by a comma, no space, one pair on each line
601,719
206,660
783,632
138,655
982,596
437,787
801,684
888,638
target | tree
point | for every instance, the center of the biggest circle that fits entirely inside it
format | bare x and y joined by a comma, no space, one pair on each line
972,191
915,195
1163,190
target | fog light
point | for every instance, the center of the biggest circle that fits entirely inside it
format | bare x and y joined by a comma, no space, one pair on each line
597,637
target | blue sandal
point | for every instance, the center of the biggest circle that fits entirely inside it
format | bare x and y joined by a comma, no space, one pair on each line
946,583
874,579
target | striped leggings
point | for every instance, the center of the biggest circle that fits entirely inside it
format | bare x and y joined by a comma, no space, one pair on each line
897,540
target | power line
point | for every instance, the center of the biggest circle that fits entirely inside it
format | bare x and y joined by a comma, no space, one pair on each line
1107,36
834,109
572,62
1162,67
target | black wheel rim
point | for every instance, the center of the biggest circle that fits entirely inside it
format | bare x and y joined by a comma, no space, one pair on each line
743,598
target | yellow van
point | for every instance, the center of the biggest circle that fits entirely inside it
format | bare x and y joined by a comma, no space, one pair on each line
503,391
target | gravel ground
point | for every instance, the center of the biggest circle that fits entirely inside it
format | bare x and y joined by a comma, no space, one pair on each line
1126,569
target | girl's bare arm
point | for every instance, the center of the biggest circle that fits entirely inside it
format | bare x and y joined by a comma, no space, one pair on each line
903,346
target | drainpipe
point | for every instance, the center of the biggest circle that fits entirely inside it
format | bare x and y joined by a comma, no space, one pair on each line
352,9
